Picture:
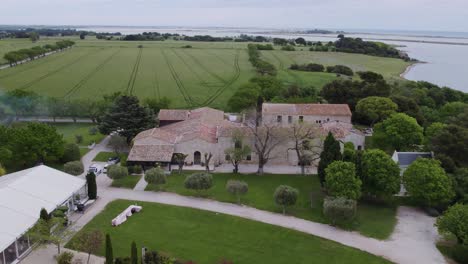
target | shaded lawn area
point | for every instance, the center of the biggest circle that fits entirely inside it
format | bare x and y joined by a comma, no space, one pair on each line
70,130
372,220
208,237
104,156
127,182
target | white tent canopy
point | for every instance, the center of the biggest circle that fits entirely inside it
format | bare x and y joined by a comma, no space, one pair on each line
24,193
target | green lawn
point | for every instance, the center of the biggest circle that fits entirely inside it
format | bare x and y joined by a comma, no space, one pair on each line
372,220
70,130
207,237
128,182
104,156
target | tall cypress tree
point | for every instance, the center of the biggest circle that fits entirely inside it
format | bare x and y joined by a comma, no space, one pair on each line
134,254
109,252
44,215
331,152
92,187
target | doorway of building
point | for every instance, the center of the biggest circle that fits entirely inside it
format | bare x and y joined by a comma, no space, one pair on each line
197,158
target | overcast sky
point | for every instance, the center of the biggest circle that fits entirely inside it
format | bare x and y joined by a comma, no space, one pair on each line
446,15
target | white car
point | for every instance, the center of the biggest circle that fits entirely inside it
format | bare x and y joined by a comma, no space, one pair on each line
95,168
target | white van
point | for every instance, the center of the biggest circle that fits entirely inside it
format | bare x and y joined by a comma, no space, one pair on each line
95,168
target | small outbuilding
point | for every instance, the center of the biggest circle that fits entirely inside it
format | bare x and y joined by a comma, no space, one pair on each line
22,196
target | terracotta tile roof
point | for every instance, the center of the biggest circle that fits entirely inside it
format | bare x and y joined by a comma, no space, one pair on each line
173,115
307,109
161,153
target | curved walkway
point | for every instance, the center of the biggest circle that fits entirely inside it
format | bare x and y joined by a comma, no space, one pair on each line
412,242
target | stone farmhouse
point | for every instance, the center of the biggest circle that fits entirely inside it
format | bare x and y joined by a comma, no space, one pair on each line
207,130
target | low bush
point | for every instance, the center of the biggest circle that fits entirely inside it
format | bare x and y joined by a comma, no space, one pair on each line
187,47
199,181
64,258
155,176
237,188
310,67
285,196
73,167
340,69
339,210
93,130
135,169
79,139
288,48
117,172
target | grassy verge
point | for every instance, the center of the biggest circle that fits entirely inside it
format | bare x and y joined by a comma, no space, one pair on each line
128,182
372,220
104,156
207,237
70,130
84,151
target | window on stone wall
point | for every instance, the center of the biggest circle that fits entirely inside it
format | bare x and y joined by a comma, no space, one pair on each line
289,119
249,157
227,157
301,119
279,119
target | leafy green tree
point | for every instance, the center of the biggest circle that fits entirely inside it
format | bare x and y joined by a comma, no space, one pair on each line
134,254
42,232
44,215
460,182
157,104
179,158
341,180
374,109
380,174
237,188
331,152
239,152
22,102
109,251
427,183
409,106
127,117
2,170
155,176
73,167
370,77
349,152
285,196
301,41
89,241
245,97
33,36
71,152
270,86
35,142
92,187
452,109
452,141
399,131
433,130
199,182
455,221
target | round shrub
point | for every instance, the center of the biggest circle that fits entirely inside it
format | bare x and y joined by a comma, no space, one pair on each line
199,181
137,169
74,168
237,188
285,196
341,180
339,210
71,152
64,258
117,172
155,176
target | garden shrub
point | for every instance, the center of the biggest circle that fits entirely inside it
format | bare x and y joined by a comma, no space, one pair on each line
137,169
288,48
71,152
340,69
73,167
237,188
285,196
199,181
64,258
78,139
339,210
93,130
155,176
117,172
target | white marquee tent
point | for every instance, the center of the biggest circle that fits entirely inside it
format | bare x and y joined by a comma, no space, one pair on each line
22,195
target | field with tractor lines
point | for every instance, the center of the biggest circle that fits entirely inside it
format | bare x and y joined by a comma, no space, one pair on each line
206,74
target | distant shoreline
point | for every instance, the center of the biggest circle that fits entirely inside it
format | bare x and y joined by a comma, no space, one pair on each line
409,68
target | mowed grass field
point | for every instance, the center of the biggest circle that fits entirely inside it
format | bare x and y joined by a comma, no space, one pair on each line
208,238
390,68
207,74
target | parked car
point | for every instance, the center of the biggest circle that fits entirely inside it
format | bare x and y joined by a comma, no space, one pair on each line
113,160
95,168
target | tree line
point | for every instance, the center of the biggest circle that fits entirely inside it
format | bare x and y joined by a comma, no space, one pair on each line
13,57
315,67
